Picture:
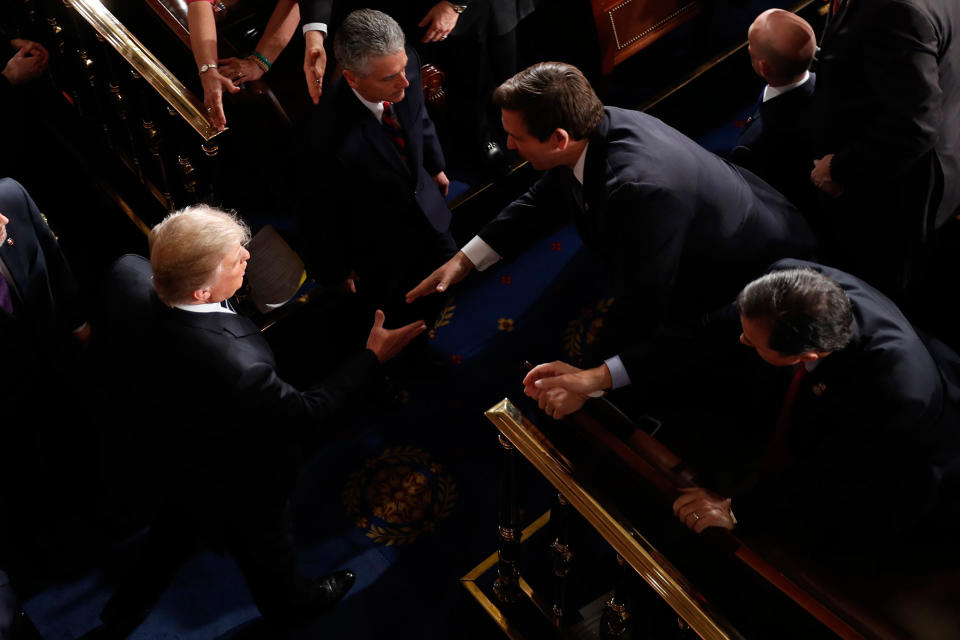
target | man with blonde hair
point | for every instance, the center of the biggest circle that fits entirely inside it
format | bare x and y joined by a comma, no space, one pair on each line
234,433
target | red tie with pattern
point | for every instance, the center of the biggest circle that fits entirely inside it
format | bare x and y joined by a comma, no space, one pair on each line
392,126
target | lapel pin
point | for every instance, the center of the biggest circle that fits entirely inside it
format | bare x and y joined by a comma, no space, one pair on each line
818,389
9,241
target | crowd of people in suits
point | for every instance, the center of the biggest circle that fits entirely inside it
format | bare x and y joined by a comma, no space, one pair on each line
855,166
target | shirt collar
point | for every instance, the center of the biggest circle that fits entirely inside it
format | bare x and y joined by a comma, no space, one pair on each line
376,108
578,166
207,307
769,93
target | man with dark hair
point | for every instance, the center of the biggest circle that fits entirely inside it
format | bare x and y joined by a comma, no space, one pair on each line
233,433
777,143
380,218
683,226
867,436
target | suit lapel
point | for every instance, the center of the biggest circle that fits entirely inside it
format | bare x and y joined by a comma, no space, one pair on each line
18,259
591,216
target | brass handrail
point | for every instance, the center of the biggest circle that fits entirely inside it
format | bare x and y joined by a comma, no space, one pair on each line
632,546
147,65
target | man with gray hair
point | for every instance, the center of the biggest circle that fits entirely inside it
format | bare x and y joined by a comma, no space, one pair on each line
232,433
374,217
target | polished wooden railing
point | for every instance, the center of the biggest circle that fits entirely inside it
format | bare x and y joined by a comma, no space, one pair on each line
818,593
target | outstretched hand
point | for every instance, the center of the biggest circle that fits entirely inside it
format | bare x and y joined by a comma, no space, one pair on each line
387,343
214,84
452,271
314,63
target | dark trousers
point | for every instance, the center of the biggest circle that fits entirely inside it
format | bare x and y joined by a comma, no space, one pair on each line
258,536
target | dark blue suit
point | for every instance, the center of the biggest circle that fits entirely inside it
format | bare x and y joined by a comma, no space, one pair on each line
366,209
874,428
686,228
230,435
777,144
48,305
42,439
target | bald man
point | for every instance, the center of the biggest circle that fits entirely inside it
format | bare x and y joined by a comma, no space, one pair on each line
776,145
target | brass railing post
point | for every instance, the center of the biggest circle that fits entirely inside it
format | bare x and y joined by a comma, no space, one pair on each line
507,584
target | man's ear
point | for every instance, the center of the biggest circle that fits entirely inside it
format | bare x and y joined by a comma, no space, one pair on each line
765,71
560,139
201,295
812,356
350,77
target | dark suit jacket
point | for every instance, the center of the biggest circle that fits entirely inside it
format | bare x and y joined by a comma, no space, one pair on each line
888,102
777,144
874,428
686,228
366,209
49,307
233,428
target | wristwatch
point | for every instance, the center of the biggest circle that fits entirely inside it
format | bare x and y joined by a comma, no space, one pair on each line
206,67
459,8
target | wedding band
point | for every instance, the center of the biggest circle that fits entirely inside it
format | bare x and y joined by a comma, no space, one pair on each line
443,37
696,515
317,81
209,109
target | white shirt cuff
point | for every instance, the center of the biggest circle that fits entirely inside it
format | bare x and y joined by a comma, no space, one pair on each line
618,373
480,253
315,26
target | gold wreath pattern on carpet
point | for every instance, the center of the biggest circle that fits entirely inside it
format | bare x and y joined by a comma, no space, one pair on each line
399,495
584,329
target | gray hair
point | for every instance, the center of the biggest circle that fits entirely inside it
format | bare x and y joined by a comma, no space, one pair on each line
188,247
366,34
805,310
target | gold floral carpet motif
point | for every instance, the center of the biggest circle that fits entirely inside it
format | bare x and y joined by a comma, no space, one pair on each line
399,495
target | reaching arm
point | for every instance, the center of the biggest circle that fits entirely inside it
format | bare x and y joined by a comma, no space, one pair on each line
203,42
280,28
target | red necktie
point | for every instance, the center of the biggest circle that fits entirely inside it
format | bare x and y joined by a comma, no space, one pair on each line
392,127
777,456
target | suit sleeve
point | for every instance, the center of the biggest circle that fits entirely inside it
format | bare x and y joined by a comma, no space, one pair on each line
261,392
433,160
902,51
540,210
315,11
64,287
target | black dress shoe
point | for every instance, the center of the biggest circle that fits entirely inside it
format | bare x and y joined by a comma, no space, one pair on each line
327,591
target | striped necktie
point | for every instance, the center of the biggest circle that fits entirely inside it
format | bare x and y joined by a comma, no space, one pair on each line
392,126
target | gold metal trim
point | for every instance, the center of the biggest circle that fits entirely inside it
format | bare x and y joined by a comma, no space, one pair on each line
147,65
642,556
469,583
654,27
